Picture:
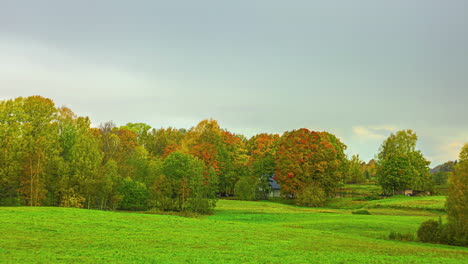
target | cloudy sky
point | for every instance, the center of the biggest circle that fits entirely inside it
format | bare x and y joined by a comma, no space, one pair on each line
358,69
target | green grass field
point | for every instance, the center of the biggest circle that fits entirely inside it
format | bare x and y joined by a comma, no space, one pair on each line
238,232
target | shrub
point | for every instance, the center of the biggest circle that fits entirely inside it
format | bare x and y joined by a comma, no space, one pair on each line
311,195
432,231
361,212
72,199
429,232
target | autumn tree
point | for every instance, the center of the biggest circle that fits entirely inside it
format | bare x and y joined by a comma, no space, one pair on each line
308,158
261,163
400,166
233,162
163,141
141,129
218,149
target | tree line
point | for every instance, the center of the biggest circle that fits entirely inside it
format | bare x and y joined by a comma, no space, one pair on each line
50,156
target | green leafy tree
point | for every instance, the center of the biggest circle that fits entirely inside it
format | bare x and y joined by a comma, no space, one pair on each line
355,171
395,173
81,160
457,200
183,185
370,170
41,146
107,186
400,166
134,195
12,145
246,188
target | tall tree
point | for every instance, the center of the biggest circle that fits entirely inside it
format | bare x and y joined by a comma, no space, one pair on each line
217,149
457,200
400,166
41,135
12,146
262,162
309,158
82,158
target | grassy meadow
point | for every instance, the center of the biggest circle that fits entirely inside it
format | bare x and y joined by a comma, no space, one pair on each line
237,232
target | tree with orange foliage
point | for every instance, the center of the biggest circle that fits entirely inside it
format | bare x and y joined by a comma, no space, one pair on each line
208,153
308,158
262,162
220,150
162,142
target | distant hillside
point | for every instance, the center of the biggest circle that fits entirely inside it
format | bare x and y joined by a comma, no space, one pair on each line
446,167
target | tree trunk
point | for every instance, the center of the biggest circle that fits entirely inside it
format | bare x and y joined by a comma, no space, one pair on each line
31,182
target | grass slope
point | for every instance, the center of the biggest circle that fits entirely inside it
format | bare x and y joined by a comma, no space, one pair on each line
238,232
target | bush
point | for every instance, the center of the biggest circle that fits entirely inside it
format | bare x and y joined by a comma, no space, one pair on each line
72,199
311,195
361,212
432,231
429,232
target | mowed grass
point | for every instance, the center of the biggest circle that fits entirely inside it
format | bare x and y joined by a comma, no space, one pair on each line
423,202
399,205
238,232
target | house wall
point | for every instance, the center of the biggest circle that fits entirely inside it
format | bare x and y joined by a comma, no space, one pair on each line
274,193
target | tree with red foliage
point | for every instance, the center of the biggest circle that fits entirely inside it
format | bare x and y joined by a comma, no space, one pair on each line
309,158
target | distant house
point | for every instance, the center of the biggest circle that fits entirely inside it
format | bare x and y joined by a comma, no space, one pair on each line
416,193
275,188
408,192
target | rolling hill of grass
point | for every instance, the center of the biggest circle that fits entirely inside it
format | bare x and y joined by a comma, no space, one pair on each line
238,232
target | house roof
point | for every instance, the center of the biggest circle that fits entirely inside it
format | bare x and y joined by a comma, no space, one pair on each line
274,185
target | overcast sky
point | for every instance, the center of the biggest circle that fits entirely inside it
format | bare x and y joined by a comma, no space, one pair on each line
359,69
